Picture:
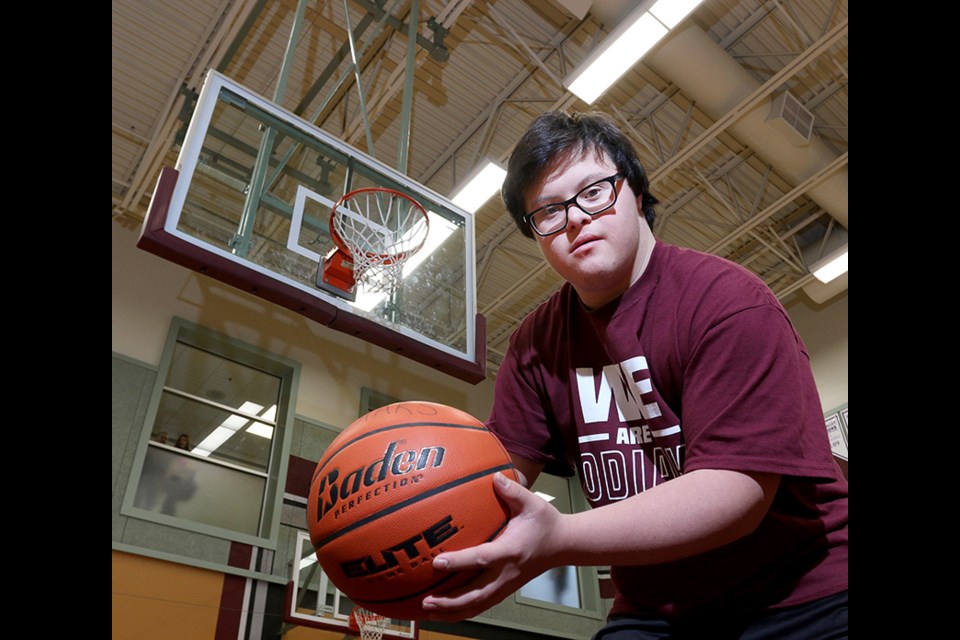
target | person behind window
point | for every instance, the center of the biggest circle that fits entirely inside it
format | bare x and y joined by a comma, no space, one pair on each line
673,382
183,442
163,437
179,482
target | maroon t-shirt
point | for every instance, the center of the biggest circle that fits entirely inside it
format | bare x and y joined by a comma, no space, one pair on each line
696,366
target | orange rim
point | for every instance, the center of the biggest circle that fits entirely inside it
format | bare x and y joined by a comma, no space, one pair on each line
387,259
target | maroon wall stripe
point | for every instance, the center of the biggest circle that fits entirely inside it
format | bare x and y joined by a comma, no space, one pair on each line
299,473
231,598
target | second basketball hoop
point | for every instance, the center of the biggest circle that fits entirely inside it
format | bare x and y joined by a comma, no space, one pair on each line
370,625
375,231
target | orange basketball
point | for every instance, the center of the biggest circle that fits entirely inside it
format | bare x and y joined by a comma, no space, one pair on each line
396,488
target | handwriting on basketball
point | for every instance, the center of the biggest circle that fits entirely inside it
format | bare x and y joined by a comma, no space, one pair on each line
411,548
394,463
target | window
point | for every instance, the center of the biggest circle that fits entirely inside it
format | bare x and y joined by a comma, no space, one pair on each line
370,400
565,588
212,457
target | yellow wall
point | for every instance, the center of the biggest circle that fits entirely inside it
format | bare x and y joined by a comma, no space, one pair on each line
824,331
158,600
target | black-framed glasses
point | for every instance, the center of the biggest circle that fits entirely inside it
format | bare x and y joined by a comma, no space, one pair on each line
592,199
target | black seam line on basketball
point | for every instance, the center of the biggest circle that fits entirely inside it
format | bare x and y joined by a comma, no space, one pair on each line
426,590
499,529
436,584
420,496
452,425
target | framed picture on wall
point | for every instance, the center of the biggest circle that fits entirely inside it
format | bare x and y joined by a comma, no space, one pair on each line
843,423
837,430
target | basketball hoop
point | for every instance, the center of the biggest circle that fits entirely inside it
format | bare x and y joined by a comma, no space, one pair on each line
370,624
375,230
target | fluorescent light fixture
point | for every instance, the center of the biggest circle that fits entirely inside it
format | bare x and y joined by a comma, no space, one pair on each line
644,27
480,186
261,429
671,12
831,266
226,429
545,496
440,230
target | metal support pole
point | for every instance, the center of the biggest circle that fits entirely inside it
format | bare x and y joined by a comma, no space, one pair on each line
356,72
327,73
407,108
240,243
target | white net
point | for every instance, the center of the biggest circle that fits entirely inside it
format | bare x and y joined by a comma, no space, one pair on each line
382,229
371,624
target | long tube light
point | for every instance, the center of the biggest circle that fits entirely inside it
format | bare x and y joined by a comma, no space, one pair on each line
832,266
644,27
480,186
225,431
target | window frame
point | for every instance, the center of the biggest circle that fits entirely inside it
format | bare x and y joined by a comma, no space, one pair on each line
591,605
371,399
288,371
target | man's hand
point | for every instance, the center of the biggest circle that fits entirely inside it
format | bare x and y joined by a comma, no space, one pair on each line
521,553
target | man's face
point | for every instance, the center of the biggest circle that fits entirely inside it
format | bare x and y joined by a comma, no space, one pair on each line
599,255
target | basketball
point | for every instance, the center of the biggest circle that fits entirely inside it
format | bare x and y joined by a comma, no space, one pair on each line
396,488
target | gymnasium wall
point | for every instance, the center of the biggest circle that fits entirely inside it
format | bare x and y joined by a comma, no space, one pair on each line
170,583
149,291
824,332
157,600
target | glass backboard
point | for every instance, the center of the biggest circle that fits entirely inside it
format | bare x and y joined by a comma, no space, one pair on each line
249,203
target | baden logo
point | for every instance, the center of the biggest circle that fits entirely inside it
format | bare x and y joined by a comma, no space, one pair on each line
393,464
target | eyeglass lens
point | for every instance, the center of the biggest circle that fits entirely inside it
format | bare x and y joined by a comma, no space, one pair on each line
592,199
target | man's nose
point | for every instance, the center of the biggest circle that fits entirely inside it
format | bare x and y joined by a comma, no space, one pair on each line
576,215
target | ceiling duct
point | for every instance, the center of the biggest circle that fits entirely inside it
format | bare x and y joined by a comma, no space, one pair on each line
709,76
575,8
791,118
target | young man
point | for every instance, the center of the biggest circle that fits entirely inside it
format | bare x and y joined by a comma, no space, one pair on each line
674,383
